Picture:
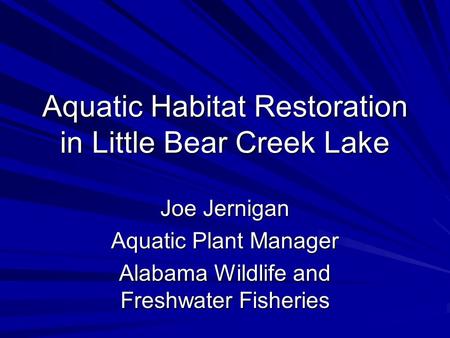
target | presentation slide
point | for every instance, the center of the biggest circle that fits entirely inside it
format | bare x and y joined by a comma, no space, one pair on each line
235,168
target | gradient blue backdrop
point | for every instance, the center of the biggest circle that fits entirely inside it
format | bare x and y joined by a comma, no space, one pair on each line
390,278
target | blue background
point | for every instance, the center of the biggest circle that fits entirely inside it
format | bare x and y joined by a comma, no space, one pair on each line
390,275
